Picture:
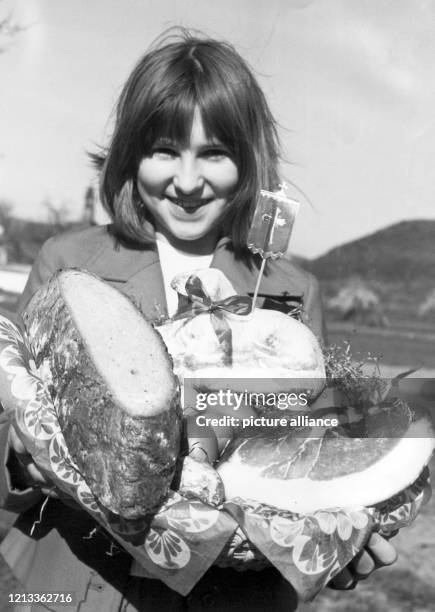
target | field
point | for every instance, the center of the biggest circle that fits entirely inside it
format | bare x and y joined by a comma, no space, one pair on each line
401,344
408,585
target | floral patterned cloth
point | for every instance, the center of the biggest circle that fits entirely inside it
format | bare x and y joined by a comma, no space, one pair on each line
186,537
310,550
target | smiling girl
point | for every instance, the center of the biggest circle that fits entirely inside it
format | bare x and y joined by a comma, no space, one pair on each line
193,143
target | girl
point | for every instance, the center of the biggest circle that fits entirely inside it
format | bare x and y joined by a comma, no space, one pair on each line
193,143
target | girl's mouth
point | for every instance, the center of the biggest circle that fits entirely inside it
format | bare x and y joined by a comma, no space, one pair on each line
189,205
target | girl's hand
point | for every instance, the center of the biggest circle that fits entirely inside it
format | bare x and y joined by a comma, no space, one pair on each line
378,552
30,472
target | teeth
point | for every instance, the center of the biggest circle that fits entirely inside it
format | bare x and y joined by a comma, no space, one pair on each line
189,205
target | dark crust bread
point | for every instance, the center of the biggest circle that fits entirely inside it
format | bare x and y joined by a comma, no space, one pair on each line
128,462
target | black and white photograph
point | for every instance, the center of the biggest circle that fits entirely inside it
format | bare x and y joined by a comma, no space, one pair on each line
217,305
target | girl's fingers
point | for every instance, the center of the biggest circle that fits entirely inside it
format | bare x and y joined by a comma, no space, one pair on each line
377,553
15,442
380,550
35,474
25,458
50,492
344,581
362,565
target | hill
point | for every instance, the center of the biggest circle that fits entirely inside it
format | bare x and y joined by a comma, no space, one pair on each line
402,252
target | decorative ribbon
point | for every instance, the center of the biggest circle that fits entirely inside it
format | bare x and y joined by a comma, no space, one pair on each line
198,301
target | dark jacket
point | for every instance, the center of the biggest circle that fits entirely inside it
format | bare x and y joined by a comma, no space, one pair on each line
59,556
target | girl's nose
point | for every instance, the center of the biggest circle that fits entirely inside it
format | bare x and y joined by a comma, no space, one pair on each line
188,177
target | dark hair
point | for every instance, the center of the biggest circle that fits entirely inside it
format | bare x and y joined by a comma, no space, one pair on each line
159,100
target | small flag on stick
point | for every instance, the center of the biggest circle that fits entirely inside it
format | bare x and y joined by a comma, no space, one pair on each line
271,228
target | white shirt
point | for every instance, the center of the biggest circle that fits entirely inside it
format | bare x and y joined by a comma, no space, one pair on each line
173,262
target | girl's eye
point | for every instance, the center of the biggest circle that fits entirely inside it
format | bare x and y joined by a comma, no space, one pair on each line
164,152
215,154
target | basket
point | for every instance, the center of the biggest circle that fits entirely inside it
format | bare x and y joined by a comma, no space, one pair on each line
241,555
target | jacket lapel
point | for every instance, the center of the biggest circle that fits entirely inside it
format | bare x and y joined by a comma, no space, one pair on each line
147,291
136,273
241,277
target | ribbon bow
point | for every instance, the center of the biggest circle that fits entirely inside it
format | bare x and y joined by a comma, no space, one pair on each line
198,301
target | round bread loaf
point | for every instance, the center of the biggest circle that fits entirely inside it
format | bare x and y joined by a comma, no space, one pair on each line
111,379
271,352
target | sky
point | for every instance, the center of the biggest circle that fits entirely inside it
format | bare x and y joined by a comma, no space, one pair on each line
350,82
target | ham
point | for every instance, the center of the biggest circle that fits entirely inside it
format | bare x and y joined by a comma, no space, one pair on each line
366,459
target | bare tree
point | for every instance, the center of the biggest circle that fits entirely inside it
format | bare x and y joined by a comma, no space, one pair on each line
5,214
8,30
58,216
88,214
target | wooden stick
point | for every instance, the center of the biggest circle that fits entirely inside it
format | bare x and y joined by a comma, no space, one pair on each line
257,286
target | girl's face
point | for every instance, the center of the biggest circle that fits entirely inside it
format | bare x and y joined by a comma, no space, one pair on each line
186,189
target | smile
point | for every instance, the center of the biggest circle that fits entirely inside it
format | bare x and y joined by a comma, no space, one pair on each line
189,205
